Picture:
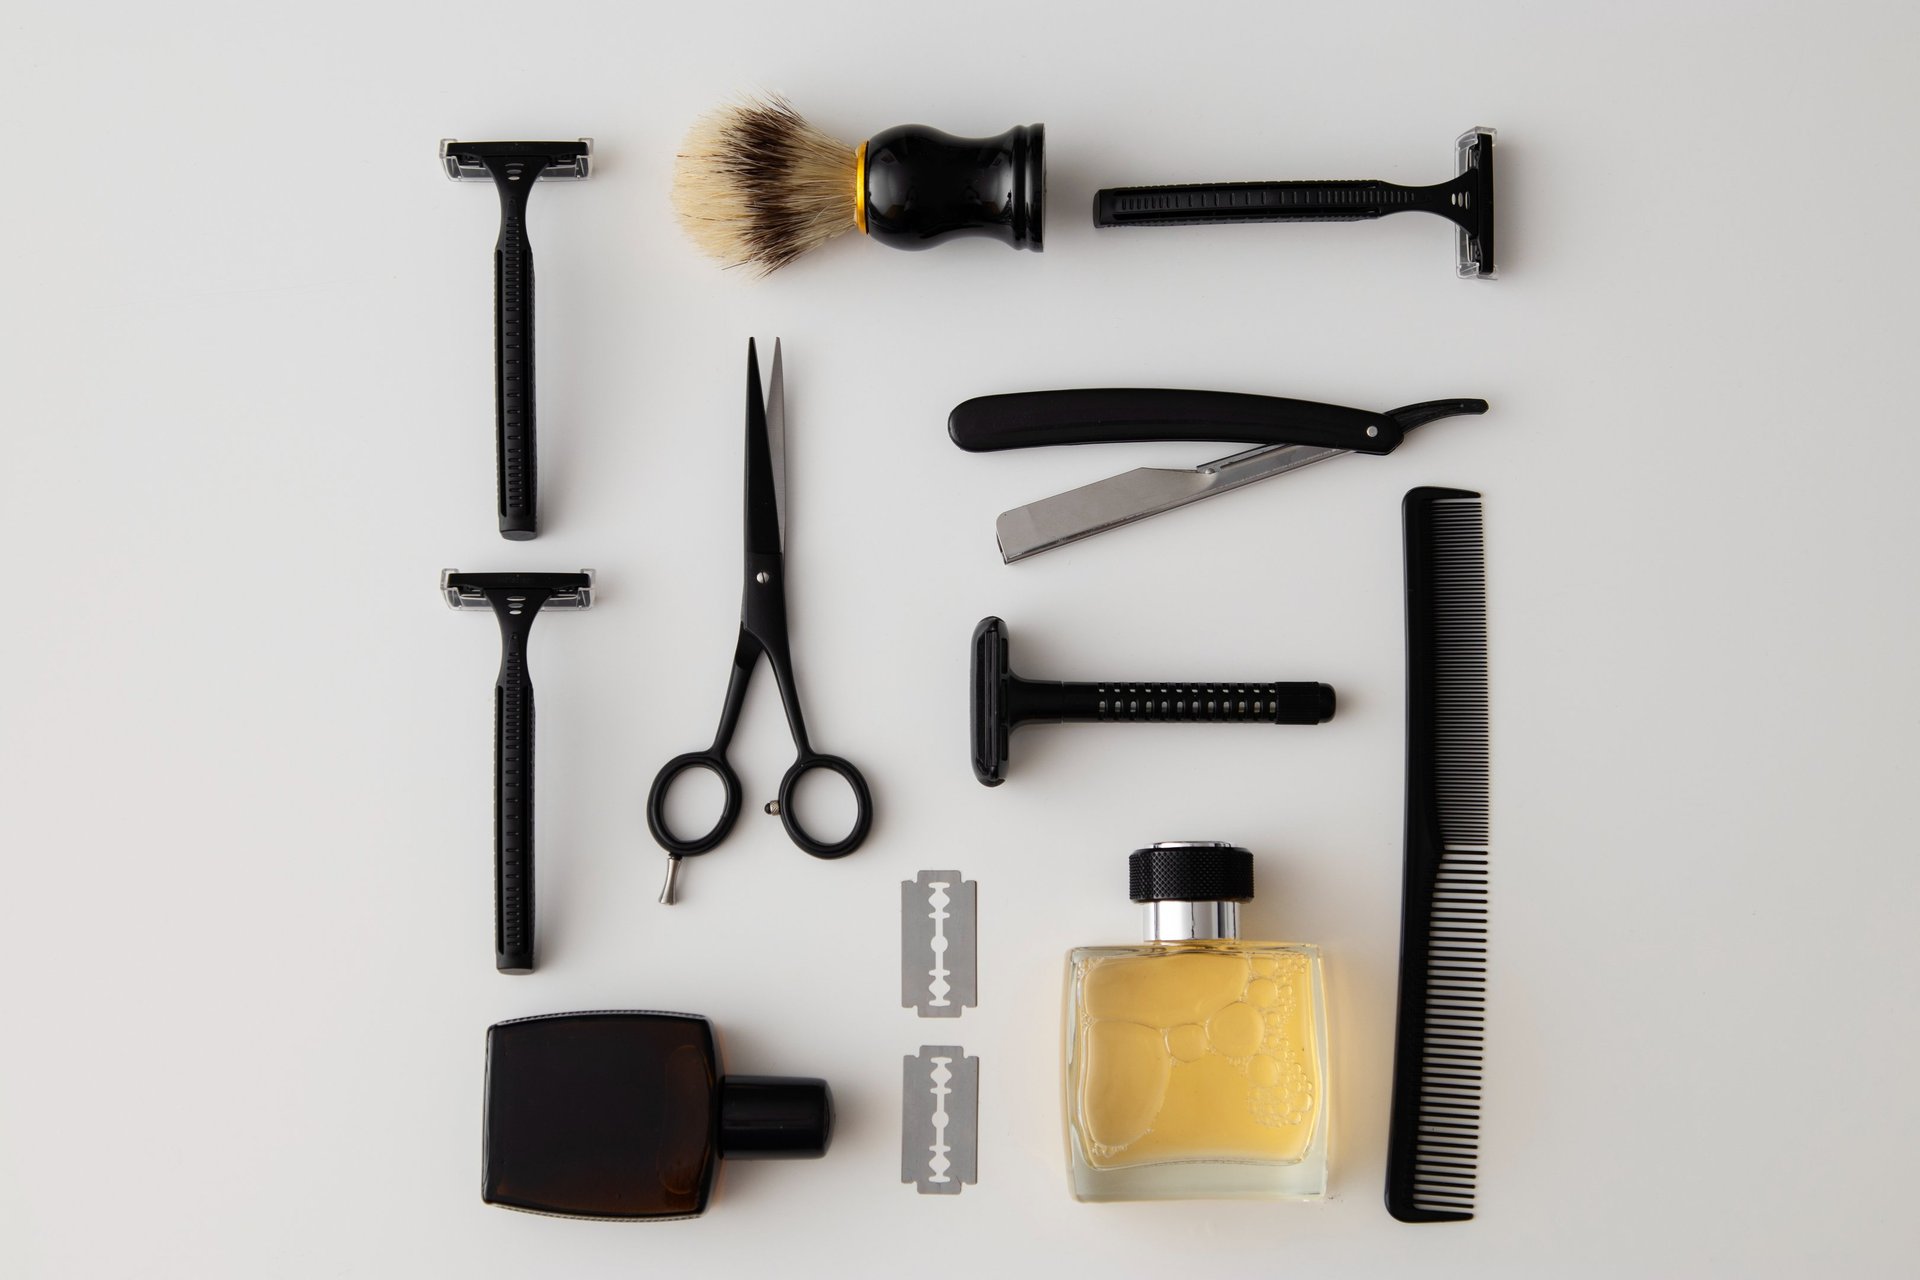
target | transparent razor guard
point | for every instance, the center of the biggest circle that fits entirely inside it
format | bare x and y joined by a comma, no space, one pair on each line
469,590
1470,265
468,168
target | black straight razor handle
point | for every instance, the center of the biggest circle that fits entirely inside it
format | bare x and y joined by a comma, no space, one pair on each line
1119,415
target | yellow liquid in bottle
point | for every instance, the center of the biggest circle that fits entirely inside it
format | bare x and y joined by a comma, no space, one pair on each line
1204,1051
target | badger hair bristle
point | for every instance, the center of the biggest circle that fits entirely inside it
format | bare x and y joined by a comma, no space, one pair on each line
756,185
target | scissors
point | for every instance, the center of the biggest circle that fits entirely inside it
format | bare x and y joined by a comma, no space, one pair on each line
763,630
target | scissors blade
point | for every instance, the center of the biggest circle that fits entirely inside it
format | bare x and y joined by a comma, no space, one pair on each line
763,474
1135,495
777,440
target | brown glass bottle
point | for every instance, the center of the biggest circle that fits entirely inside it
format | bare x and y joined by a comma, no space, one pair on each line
626,1115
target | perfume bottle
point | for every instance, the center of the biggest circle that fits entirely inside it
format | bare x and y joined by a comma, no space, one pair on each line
1196,1063
626,1115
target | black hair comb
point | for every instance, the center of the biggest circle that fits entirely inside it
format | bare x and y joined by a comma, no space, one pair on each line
1433,1139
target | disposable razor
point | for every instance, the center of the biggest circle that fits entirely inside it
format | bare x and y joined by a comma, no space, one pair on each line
1466,201
1288,435
515,599
513,168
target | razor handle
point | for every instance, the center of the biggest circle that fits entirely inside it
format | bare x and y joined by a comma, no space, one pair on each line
1205,202
516,463
513,786
1116,415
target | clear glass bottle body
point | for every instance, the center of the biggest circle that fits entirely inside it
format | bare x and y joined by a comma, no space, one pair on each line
1196,1070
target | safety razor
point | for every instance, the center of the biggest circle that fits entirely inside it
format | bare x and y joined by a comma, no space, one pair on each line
513,168
1466,201
515,598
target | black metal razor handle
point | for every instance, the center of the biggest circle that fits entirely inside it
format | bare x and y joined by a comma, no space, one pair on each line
1284,702
1003,701
1204,202
1113,415
516,460
513,797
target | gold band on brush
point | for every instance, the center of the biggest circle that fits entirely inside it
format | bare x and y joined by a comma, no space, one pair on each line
860,188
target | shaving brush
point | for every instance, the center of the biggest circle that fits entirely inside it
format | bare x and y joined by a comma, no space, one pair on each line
756,185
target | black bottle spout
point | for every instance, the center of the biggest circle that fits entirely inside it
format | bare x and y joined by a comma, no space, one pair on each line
775,1118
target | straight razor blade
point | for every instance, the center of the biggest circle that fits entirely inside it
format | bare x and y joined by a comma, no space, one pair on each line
1134,495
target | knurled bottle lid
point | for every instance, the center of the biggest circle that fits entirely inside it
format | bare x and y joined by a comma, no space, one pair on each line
1190,871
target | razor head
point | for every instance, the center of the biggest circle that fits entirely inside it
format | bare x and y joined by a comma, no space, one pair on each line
473,590
991,725
1473,158
478,161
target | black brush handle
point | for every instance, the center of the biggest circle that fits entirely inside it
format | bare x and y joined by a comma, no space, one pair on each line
513,791
516,462
1204,202
923,186
1111,415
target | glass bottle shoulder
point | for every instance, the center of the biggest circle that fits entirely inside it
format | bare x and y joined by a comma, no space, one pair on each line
1212,946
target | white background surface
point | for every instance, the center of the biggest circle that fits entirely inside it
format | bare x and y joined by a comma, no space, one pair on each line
245,755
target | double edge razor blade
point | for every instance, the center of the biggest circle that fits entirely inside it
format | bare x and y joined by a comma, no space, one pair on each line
939,924
940,1120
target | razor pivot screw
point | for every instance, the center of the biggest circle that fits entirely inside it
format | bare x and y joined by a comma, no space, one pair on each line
1003,701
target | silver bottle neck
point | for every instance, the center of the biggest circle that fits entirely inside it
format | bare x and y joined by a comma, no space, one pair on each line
1191,921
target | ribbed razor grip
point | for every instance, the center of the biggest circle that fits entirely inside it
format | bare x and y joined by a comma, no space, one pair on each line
1291,702
514,452
1251,202
513,805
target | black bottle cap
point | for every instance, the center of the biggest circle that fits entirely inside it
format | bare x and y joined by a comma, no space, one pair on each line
774,1118
1190,871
